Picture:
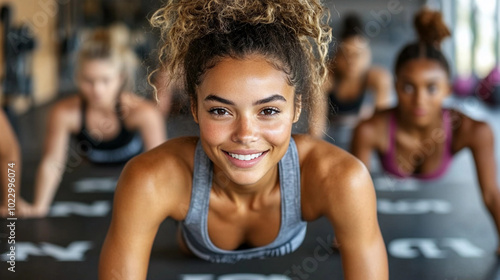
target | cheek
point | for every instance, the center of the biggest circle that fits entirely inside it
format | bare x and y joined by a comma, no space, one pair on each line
218,132
277,132
213,132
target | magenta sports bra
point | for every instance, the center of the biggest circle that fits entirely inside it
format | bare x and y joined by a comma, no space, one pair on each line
388,159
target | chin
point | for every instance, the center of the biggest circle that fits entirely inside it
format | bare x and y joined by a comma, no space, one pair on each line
245,178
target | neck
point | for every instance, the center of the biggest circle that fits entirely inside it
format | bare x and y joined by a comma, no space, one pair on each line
109,107
248,195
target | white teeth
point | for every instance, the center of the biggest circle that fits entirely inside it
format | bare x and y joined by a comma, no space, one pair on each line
245,157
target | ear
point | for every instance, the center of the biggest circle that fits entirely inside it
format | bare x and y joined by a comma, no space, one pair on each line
298,110
194,110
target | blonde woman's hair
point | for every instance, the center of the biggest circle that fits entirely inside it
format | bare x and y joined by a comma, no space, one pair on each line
110,44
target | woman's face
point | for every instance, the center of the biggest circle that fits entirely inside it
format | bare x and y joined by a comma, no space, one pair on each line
353,57
245,110
421,85
100,81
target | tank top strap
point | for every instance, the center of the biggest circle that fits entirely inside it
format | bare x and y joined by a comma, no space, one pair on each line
289,172
202,182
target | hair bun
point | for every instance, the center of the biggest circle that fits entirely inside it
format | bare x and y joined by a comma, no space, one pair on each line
430,27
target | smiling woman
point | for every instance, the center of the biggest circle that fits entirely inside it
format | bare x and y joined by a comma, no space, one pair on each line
245,188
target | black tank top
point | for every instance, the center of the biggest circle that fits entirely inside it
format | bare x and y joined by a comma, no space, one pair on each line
342,108
120,149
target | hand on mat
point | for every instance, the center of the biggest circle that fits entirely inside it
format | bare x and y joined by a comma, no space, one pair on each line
5,212
33,211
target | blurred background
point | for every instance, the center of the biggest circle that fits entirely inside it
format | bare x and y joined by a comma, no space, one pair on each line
39,40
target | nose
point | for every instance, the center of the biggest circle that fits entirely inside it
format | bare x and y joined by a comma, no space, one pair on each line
245,131
420,97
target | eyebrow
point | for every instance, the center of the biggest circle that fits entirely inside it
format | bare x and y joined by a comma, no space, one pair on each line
272,98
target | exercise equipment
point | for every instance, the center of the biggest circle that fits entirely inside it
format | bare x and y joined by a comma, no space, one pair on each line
489,88
19,43
465,85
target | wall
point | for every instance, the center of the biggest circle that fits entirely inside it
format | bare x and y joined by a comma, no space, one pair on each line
41,17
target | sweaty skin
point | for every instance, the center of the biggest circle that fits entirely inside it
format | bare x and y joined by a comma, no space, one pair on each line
248,111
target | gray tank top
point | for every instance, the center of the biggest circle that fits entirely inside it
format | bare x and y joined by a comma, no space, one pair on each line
292,229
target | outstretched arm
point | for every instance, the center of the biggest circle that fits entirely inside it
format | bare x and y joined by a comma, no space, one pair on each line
482,146
9,154
52,165
138,211
352,210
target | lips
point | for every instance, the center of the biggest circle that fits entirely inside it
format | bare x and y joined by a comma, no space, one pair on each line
419,112
245,159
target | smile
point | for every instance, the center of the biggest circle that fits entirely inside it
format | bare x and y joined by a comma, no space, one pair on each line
245,157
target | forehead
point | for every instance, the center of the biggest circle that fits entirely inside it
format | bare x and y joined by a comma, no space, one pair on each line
422,69
354,43
249,76
93,67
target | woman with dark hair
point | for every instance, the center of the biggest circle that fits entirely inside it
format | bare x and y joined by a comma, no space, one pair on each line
246,187
354,87
419,137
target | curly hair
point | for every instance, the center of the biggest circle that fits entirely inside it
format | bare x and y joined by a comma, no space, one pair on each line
293,35
431,31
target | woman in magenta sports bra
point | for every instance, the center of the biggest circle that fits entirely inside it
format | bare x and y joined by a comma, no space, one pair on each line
418,137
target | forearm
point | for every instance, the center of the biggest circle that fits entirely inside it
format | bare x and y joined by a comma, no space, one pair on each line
14,159
125,257
371,263
47,181
492,203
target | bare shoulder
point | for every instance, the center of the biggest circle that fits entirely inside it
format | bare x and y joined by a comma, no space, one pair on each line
374,129
469,132
377,74
162,177
329,176
135,103
67,113
136,109
67,105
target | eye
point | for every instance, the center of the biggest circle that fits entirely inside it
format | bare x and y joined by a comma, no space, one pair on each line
408,88
432,88
218,111
269,111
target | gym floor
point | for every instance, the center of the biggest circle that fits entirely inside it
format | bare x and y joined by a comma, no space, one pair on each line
433,230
